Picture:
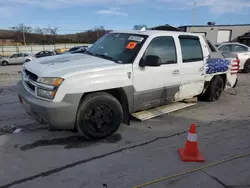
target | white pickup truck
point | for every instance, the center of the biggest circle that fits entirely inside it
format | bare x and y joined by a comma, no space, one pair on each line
122,73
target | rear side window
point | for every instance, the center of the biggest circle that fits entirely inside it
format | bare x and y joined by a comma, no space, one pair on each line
239,48
191,49
225,49
164,48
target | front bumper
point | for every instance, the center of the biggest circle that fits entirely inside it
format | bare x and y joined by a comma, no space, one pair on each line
61,115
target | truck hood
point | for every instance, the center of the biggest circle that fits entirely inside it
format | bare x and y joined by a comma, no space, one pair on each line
69,64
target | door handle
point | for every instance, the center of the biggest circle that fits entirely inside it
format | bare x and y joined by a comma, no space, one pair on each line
176,72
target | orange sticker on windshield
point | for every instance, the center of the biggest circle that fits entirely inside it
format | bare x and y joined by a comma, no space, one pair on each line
131,45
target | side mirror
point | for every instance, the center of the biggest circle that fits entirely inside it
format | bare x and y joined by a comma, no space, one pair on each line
150,61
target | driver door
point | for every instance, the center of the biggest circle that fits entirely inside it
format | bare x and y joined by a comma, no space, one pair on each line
13,59
156,86
21,58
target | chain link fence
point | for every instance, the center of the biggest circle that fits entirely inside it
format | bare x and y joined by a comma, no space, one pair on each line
33,49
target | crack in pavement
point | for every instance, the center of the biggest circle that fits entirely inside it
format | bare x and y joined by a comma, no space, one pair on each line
9,103
216,179
71,165
59,169
223,184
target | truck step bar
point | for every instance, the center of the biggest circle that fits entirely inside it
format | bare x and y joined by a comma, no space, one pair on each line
154,112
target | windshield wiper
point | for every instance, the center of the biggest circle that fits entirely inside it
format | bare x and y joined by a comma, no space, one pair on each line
89,53
106,57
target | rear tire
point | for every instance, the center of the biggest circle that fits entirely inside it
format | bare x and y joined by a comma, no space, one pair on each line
27,60
4,63
99,115
214,89
247,66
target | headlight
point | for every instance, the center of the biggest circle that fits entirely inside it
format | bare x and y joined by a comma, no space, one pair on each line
46,93
51,81
48,87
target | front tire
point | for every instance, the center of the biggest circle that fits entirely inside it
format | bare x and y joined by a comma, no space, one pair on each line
99,115
27,60
247,67
214,90
4,63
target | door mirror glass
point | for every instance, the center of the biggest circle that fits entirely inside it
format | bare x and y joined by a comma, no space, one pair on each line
151,61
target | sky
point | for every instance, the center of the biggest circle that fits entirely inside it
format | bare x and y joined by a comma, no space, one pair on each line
72,16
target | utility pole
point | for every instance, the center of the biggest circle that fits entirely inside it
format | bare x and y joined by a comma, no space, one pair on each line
194,16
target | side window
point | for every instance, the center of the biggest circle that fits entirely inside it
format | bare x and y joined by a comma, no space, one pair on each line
13,56
239,48
225,49
164,48
191,49
19,55
211,47
25,55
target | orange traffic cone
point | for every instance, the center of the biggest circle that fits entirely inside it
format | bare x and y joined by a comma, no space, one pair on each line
191,152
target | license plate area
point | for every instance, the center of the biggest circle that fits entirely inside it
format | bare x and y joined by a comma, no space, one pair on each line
24,103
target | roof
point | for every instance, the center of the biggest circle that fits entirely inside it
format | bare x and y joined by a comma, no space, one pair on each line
228,43
154,32
233,25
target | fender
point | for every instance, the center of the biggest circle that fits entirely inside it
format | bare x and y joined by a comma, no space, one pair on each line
95,81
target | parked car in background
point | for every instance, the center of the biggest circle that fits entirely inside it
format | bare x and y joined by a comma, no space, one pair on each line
237,50
44,54
60,50
76,50
18,58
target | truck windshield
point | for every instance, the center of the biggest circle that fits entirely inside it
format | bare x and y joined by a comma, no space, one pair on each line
118,47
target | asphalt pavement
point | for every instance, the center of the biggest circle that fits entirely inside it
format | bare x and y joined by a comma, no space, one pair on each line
34,155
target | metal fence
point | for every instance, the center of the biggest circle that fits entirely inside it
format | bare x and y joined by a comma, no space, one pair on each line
33,49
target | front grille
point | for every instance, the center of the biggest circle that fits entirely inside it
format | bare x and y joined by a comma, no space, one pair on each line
30,80
30,86
31,75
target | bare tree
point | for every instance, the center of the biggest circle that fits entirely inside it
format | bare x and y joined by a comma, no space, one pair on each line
39,31
53,32
42,34
100,31
22,29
